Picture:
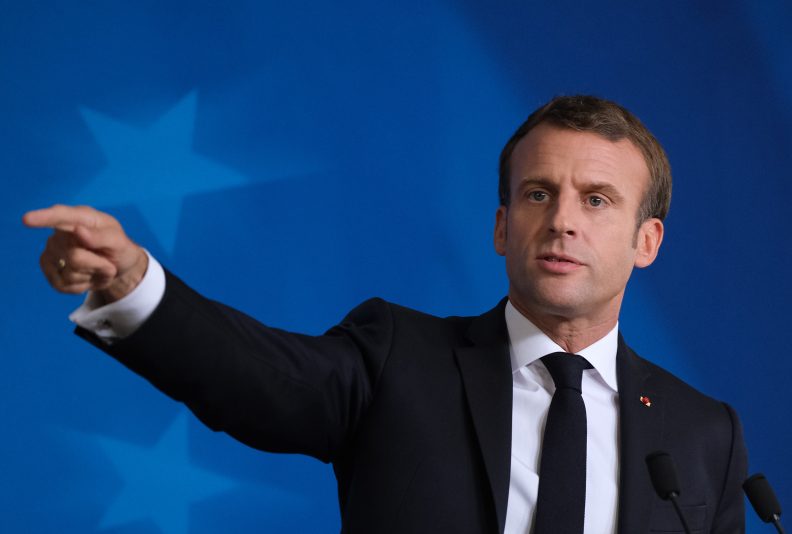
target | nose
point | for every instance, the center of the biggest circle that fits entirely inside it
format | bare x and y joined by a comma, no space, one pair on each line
562,218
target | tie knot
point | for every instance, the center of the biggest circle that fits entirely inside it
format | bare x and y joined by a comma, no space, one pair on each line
566,369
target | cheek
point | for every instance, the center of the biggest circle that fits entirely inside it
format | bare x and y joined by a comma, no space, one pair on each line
614,250
522,227
621,261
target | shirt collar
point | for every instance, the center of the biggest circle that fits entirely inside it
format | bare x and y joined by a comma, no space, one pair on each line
528,344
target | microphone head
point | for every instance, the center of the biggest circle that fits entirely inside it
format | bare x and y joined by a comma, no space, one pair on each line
663,474
762,497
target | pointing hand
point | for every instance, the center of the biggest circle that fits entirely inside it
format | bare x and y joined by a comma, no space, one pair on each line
88,250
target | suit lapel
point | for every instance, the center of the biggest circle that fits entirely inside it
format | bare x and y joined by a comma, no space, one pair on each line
486,374
641,429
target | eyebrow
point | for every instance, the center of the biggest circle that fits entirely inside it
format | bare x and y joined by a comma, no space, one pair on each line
533,182
607,189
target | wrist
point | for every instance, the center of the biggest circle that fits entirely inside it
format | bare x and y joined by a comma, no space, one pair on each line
125,282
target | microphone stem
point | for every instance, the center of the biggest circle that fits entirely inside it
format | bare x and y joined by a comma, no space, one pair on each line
673,498
777,523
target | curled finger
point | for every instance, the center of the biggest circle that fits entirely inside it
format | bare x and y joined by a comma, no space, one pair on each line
84,261
77,288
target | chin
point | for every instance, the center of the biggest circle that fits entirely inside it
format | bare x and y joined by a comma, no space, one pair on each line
560,308
561,303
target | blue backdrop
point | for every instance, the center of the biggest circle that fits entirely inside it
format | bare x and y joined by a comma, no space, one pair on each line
295,158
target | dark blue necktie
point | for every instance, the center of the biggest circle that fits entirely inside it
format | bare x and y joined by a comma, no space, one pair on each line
561,502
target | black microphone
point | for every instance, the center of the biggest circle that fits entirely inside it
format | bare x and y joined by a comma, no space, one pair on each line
763,500
664,479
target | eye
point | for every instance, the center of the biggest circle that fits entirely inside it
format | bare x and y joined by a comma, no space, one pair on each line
537,196
596,201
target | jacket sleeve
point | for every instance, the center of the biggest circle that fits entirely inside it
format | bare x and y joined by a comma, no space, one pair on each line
270,389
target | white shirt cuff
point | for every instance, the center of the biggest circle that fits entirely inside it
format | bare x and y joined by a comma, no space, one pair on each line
121,318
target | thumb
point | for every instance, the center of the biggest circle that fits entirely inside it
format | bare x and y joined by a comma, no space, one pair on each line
112,244
87,237
108,240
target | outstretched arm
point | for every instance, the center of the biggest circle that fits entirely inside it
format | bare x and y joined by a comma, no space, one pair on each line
271,389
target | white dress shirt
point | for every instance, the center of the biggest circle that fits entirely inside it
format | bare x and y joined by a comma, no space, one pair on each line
533,391
122,317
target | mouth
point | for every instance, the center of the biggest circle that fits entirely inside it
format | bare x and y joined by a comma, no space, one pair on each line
559,259
558,264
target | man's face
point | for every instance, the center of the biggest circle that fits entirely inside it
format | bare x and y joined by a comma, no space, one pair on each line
569,234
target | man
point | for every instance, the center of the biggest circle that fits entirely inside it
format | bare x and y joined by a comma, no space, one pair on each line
438,425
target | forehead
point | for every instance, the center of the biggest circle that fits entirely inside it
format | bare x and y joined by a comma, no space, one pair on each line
554,153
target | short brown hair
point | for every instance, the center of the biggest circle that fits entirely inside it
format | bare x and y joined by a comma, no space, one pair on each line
608,119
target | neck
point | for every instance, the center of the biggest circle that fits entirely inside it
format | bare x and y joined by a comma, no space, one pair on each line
571,334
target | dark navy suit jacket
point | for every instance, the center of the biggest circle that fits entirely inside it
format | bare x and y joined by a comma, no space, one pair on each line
414,413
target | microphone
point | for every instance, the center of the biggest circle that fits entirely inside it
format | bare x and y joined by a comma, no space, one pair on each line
664,479
763,500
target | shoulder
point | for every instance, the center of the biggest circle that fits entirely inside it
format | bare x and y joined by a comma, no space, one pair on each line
377,311
688,404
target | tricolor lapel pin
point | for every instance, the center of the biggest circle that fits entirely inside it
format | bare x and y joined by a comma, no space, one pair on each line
646,401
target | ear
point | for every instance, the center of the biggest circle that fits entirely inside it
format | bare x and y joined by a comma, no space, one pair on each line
648,239
501,217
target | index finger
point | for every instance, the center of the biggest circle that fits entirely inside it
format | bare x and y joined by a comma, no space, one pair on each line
61,217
